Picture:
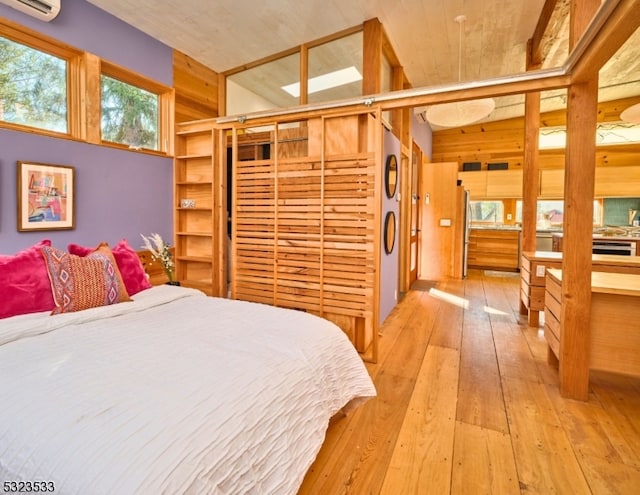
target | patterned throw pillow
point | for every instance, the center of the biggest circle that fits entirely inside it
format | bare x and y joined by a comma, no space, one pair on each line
80,283
133,274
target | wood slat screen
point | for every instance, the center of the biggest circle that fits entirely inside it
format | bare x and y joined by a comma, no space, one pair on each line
305,221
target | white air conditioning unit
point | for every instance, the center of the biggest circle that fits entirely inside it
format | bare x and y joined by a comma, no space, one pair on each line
45,10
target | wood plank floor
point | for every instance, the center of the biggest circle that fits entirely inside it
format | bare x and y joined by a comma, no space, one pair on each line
467,404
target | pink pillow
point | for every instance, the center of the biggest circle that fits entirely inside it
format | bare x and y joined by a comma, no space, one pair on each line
133,274
25,286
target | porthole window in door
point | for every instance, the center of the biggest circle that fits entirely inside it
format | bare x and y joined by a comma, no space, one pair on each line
389,232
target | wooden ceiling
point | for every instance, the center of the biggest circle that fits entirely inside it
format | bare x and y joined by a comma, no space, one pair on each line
227,34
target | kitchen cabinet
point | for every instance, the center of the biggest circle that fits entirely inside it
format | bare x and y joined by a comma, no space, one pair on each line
614,340
504,184
551,183
475,183
494,249
611,182
492,184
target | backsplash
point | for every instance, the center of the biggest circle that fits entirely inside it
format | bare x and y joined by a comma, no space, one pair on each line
616,210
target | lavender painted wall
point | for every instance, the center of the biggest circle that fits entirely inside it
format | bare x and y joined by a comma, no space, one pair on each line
119,194
422,135
389,263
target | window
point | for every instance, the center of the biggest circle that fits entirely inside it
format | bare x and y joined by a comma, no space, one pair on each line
129,114
335,69
54,88
551,213
262,87
33,87
134,110
487,211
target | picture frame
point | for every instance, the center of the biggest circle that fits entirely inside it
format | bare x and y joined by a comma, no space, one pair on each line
46,197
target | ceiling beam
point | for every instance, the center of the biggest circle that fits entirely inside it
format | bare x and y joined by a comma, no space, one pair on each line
611,28
536,54
621,23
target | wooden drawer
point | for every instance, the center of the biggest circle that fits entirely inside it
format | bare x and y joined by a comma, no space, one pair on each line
525,264
536,298
552,308
537,280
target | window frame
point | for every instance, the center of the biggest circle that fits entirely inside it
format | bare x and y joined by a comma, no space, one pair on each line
165,105
50,46
84,71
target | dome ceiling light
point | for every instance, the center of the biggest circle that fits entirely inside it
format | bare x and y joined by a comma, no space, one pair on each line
459,113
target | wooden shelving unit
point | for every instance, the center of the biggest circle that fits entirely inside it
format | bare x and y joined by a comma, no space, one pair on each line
199,179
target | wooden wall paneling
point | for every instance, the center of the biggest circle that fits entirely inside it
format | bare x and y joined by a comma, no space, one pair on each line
504,141
196,89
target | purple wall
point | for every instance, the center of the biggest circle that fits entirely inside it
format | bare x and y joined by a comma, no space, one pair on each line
389,263
422,135
119,194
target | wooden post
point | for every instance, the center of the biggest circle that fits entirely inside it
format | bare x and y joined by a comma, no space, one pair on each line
531,172
575,317
577,242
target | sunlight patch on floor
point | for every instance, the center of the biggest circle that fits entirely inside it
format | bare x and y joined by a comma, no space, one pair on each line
461,302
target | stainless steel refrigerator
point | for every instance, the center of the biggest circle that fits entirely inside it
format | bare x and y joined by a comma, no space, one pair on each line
466,219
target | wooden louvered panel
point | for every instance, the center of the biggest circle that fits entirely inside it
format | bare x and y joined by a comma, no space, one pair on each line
305,230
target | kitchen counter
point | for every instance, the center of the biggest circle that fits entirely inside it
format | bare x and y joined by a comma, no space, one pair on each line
630,238
613,335
533,270
494,248
496,227
607,237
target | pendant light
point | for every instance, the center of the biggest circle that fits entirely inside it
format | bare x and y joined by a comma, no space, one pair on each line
631,114
459,113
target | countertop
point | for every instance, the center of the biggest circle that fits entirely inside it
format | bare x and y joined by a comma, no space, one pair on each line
609,237
495,227
514,227
597,259
608,283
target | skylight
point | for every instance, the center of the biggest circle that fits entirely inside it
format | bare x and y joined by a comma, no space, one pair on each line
326,81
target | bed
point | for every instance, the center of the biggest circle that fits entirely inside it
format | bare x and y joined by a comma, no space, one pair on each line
170,392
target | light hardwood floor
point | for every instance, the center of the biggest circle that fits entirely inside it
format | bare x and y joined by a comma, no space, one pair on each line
467,404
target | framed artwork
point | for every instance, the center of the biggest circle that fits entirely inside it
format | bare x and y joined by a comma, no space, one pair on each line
45,197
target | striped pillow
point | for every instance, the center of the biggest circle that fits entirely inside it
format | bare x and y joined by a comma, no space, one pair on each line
80,283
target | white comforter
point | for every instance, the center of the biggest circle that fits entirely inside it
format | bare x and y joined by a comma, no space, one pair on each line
172,393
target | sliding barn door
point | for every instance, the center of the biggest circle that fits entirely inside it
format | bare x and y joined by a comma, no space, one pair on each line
306,221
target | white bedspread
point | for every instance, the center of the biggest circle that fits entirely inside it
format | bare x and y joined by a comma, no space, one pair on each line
172,393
